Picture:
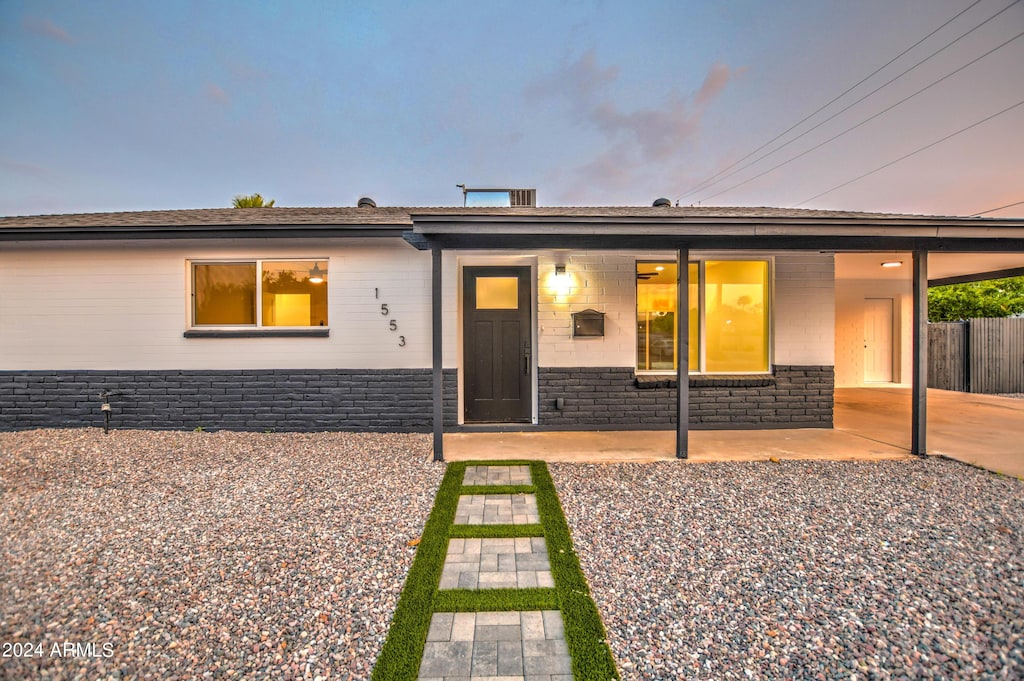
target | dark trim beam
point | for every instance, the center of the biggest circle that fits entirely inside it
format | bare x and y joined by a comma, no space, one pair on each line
437,322
861,244
980,276
682,353
919,360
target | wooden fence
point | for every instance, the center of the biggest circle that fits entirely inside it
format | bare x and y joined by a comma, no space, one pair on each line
978,355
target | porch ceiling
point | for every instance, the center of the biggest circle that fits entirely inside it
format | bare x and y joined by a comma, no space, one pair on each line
941,266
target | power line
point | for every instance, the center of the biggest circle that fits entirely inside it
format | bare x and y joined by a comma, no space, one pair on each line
993,210
916,151
866,120
709,181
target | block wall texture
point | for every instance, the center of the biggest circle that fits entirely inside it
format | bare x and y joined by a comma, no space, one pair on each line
793,396
398,399
286,400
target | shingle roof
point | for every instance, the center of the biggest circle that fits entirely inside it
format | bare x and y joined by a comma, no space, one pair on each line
402,216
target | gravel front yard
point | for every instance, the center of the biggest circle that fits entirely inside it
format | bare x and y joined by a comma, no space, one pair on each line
170,555
806,570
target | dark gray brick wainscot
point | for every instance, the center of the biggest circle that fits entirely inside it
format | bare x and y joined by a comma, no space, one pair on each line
287,400
790,397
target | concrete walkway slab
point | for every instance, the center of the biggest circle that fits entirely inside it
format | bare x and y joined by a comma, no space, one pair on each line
496,564
870,424
496,646
497,509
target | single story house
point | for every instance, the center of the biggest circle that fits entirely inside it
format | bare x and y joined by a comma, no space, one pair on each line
435,319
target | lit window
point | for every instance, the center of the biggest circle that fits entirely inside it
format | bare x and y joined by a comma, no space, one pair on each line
735,316
734,295
290,293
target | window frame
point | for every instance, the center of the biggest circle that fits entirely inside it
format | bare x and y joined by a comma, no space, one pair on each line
701,370
193,330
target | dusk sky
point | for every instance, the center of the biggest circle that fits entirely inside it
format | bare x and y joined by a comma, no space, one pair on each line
138,105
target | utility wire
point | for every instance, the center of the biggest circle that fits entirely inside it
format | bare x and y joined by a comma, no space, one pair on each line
710,181
916,151
867,120
993,210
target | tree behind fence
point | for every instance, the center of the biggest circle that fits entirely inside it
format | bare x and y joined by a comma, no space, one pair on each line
978,355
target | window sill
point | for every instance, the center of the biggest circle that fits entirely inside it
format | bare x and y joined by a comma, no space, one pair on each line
650,382
317,332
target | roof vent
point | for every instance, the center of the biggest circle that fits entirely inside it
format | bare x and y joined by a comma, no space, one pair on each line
367,202
661,203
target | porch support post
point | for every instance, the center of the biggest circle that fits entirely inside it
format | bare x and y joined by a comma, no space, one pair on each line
683,353
919,361
438,366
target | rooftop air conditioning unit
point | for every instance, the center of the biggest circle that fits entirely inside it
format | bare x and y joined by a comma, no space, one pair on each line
474,197
522,197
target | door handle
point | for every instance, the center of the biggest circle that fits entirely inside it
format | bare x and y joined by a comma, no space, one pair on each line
526,359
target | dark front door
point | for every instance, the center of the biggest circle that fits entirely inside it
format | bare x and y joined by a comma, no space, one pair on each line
496,344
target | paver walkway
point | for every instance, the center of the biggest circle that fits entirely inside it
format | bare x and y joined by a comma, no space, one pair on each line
496,646
496,564
496,475
497,509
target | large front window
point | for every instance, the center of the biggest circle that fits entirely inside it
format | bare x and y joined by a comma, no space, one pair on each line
728,309
286,293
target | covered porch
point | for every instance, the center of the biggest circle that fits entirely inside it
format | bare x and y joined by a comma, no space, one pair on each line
870,424
686,231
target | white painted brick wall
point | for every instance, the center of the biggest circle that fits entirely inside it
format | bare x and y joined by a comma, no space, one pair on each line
605,282
102,306
804,322
125,307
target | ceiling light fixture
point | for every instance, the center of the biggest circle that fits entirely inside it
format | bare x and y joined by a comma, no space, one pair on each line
892,263
316,275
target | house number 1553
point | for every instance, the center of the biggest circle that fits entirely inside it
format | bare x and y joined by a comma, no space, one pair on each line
392,324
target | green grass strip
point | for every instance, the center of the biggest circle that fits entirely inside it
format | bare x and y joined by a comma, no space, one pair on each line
485,600
584,631
498,489
495,531
402,652
585,635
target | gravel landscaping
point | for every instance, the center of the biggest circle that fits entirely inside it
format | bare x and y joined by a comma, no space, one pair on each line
170,555
806,570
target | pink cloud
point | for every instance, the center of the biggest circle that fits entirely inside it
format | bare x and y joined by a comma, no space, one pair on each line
716,80
217,94
45,27
24,168
579,82
638,142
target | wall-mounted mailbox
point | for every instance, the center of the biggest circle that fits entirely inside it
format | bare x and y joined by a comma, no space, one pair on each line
588,323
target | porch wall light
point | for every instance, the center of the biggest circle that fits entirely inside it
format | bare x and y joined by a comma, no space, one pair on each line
559,270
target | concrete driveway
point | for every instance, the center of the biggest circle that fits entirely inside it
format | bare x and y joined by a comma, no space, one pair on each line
982,430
